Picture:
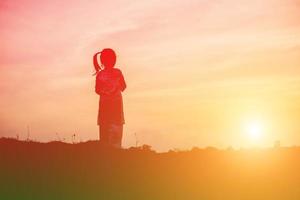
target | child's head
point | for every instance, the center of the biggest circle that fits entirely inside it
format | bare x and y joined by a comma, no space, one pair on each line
107,58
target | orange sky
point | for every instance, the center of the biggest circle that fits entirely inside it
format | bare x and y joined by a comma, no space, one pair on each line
196,71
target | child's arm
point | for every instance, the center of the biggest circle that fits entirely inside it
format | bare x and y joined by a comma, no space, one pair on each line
98,85
122,82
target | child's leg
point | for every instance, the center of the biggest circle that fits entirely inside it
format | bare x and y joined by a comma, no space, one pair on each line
103,133
115,135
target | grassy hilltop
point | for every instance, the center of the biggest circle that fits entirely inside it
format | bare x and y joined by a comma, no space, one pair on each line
56,170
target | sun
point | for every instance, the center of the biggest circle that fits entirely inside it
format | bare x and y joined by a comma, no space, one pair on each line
254,130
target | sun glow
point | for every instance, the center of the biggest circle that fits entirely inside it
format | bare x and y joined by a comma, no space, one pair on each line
254,130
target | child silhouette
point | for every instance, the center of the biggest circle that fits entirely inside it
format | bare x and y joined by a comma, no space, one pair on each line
109,85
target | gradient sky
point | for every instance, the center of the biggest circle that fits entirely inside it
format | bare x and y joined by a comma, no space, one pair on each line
196,71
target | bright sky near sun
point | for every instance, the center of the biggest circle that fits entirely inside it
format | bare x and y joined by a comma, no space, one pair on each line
199,73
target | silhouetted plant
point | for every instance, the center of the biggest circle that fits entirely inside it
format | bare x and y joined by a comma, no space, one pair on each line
146,147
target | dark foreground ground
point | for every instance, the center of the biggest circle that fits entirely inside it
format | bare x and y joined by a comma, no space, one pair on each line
30,170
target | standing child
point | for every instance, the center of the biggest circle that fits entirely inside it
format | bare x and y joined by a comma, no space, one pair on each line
109,85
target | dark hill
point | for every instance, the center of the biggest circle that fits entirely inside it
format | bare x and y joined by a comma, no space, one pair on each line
56,170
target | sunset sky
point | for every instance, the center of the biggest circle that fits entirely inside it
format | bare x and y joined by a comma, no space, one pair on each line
197,71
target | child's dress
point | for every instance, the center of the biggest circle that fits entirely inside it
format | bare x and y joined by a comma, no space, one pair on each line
109,85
